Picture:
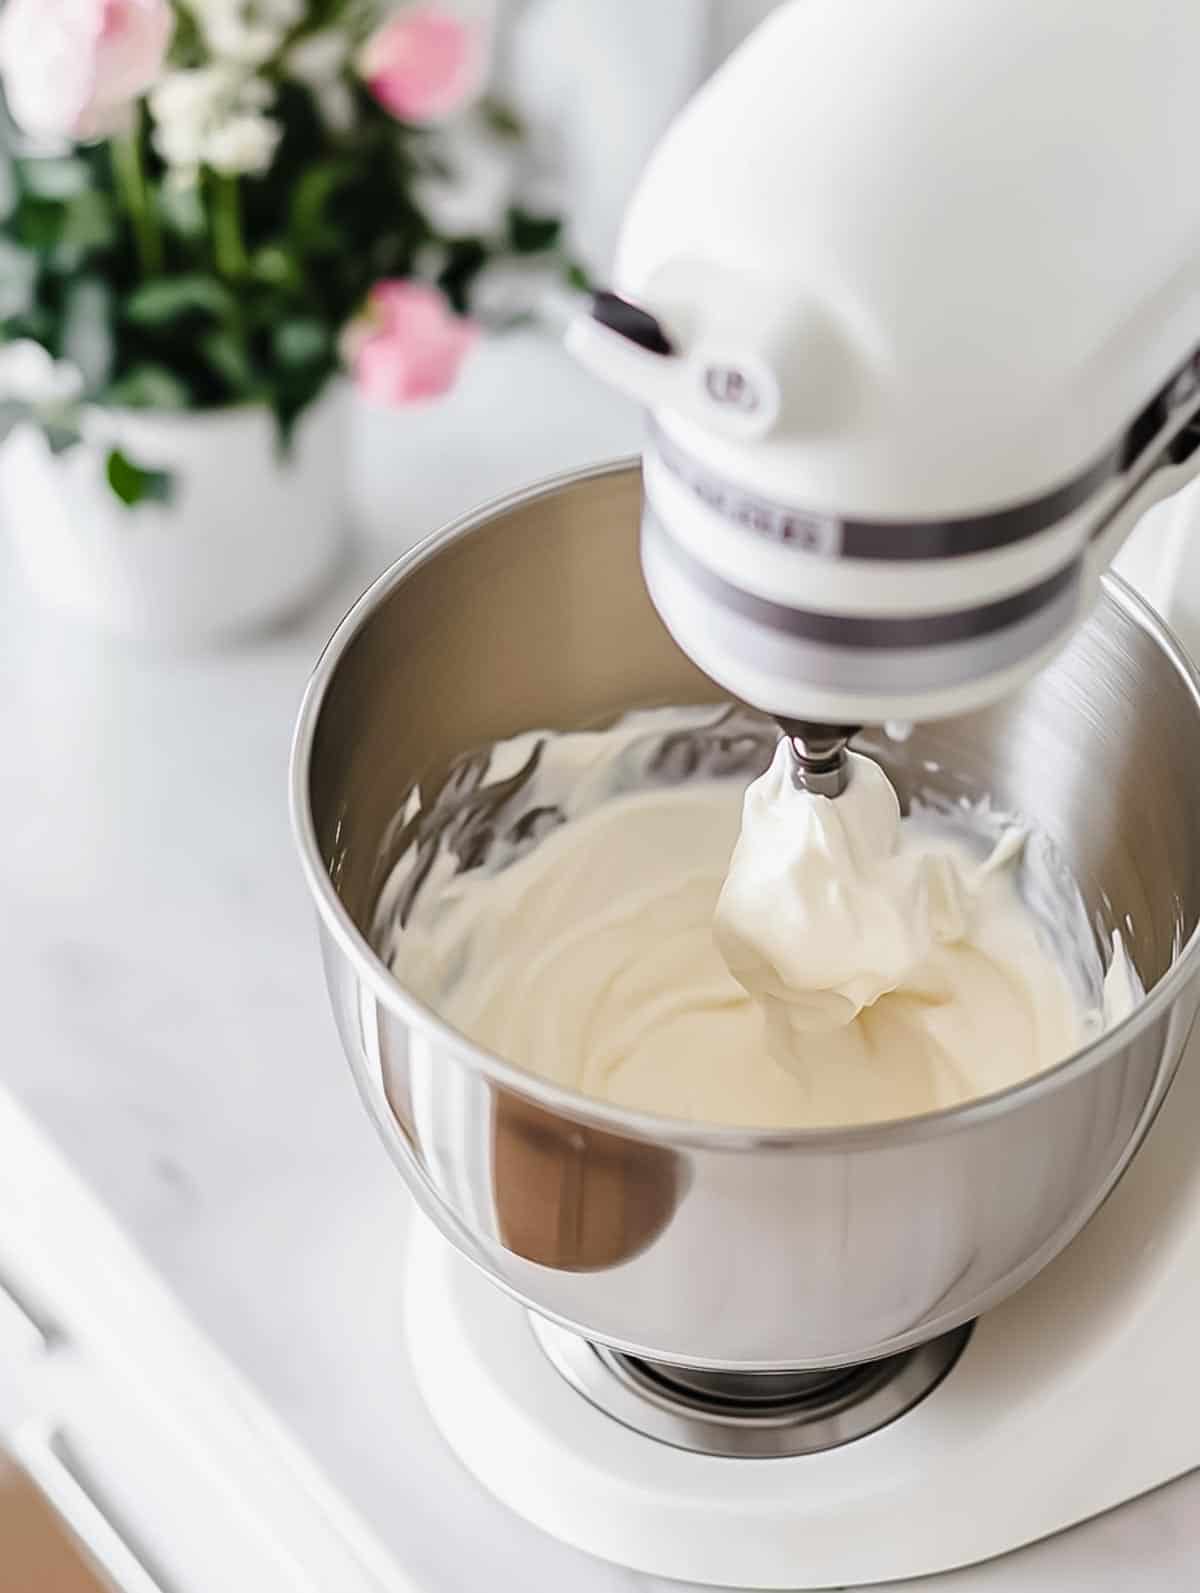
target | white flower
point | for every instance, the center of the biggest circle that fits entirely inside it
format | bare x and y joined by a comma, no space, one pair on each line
319,62
475,195
319,58
512,290
213,116
181,178
284,13
232,38
247,32
255,94
181,145
184,105
336,105
193,95
31,376
243,146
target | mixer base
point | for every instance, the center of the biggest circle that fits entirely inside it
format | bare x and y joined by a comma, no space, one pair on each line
749,1415
1072,1397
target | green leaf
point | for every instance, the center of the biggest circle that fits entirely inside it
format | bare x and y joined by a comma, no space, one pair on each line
39,324
287,412
148,387
87,339
275,266
182,208
12,412
307,221
226,354
188,47
134,485
9,192
532,234
165,299
38,224
57,178
88,225
18,277
301,341
577,277
59,436
466,259
501,119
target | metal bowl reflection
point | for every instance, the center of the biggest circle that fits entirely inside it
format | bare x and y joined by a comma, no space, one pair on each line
715,1247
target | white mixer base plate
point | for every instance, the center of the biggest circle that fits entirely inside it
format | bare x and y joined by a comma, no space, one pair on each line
1074,1396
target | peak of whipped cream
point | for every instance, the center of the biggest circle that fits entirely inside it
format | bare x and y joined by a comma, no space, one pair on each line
838,913
824,908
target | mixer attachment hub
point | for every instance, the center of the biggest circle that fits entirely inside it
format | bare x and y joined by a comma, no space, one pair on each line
819,761
751,1415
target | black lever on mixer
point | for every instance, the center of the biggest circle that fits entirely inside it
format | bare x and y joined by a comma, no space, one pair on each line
632,322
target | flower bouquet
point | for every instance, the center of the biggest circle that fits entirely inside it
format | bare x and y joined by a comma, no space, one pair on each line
210,209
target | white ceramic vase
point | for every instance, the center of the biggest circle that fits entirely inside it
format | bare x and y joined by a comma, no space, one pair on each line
248,536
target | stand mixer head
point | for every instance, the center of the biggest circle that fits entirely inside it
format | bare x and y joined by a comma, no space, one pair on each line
913,371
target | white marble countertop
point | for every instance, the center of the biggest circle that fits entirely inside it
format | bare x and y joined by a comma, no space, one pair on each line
166,1018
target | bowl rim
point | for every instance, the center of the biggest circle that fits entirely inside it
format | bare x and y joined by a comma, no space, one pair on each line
654,1127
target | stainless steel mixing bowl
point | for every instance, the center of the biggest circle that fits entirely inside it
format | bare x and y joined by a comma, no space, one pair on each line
714,1247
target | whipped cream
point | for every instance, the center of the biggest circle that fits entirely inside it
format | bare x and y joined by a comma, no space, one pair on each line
785,961
864,936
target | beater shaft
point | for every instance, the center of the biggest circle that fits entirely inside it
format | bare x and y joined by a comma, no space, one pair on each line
819,761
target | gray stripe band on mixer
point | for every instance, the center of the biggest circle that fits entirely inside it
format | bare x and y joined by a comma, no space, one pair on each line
690,597
865,630
811,531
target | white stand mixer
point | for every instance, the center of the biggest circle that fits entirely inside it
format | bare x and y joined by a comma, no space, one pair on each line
913,293
888,301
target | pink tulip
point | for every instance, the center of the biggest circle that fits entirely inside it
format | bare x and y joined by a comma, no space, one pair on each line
73,68
425,64
409,345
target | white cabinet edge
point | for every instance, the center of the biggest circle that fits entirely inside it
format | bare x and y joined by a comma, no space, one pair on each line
114,1399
